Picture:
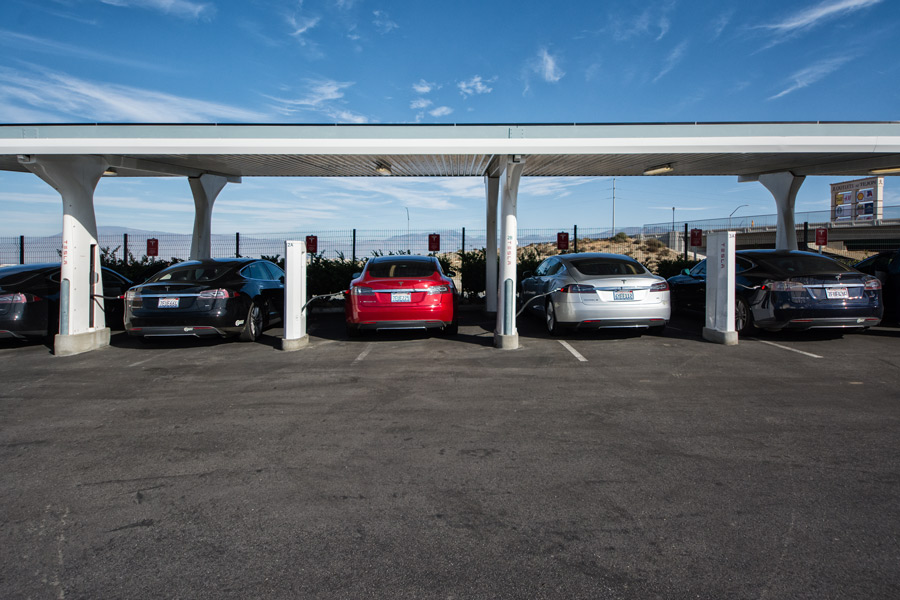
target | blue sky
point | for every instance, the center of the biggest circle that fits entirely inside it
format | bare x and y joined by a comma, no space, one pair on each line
362,61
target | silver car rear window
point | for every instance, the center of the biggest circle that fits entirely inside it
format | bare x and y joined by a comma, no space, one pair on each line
607,266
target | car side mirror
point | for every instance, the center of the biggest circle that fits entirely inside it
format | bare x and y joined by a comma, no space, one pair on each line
355,275
526,274
281,279
451,273
685,271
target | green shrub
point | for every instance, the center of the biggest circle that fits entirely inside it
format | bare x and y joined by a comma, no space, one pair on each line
654,245
620,237
671,267
136,270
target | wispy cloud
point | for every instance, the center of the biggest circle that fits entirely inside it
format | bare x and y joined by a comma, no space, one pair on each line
420,103
815,15
475,86
547,67
440,111
383,23
322,96
300,25
721,22
813,73
671,61
423,87
38,44
652,20
179,8
67,98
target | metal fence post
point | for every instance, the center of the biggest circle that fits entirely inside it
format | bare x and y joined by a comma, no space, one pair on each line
125,248
354,245
21,249
686,239
806,235
575,239
237,245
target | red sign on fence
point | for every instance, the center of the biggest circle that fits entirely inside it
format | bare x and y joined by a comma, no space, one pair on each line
312,244
434,242
562,240
821,236
152,247
696,237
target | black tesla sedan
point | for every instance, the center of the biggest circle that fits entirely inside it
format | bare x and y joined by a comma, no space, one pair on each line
211,297
29,300
886,267
780,289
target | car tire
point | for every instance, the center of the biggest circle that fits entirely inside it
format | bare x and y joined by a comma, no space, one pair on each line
658,330
743,317
253,325
553,327
353,331
452,328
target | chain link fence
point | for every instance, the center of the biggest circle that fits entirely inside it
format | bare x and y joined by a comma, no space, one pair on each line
648,244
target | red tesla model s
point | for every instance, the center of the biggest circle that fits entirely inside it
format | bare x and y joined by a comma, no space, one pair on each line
401,292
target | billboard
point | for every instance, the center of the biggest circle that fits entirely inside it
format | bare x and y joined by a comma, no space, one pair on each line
857,201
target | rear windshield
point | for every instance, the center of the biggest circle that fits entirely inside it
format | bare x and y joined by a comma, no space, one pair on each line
801,264
607,266
192,273
18,276
401,268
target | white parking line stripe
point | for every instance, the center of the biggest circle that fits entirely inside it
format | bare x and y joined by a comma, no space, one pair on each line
791,349
154,357
364,353
574,352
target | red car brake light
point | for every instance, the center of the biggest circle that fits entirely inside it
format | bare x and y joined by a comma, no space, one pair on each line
361,290
662,286
219,293
18,298
438,289
873,284
577,288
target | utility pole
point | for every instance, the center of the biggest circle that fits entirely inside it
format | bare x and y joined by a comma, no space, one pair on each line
613,232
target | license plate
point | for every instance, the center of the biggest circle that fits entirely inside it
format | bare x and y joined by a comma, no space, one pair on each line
623,295
836,293
400,297
168,303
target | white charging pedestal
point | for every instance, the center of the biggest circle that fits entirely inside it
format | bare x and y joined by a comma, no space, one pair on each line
295,336
719,327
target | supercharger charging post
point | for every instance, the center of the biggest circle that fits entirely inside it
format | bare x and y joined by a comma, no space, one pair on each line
295,336
720,271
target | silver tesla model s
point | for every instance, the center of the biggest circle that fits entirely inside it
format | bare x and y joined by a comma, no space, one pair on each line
596,290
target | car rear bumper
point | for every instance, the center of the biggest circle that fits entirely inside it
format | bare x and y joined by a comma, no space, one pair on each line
415,324
180,331
606,314
6,334
821,318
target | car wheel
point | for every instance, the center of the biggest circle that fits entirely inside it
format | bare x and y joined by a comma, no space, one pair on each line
253,325
553,327
352,331
743,317
658,330
452,328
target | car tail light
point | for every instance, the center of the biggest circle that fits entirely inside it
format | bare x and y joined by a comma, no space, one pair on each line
18,298
133,299
662,286
577,288
361,290
782,286
438,289
873,284
216,294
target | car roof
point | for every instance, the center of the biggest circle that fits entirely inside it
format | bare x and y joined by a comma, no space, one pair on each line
605,255
215,261
409,257
12,269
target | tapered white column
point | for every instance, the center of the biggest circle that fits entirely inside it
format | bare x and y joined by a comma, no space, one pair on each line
82,322
492,193
506,335
205,189
784,187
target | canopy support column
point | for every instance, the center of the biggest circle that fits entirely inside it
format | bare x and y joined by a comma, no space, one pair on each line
783,187
506,336
205,189
82,321
492,193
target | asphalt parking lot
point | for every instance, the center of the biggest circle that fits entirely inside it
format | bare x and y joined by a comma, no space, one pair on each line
406,466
